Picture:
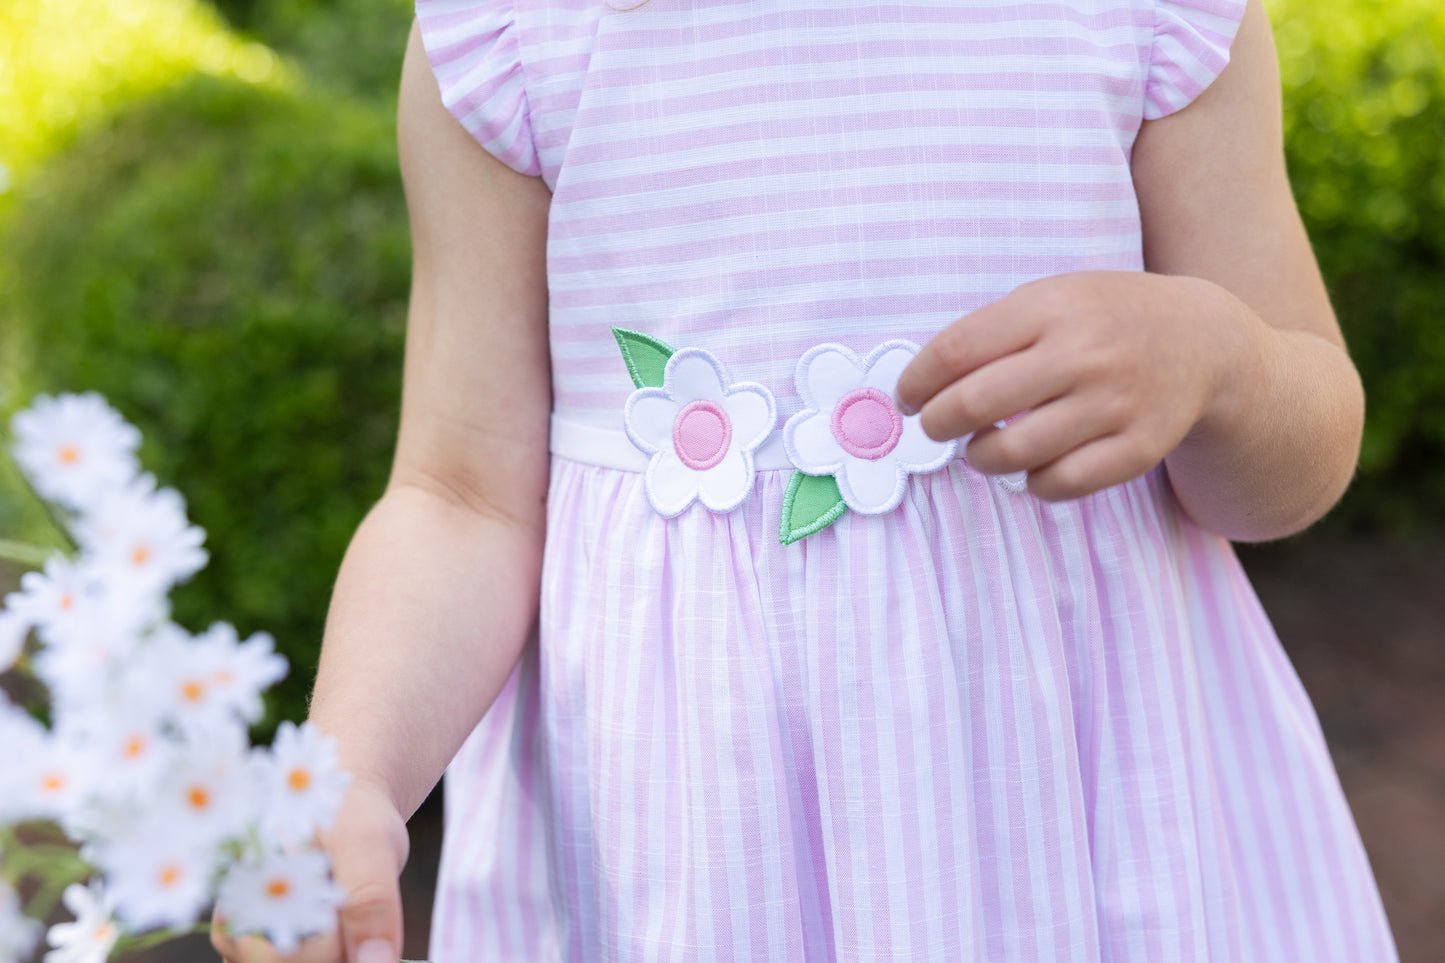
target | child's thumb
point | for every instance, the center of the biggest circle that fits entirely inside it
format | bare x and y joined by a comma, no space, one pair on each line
371,918
368,850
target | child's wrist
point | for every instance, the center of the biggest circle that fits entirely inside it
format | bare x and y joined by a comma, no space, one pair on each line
1242,352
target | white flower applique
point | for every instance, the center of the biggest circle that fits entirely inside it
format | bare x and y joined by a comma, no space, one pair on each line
851,429
700,428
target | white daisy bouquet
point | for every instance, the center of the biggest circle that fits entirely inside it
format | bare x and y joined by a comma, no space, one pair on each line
128,785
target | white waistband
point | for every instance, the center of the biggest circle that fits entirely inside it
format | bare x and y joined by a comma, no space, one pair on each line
611,448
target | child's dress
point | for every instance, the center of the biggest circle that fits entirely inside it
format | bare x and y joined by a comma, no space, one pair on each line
952,721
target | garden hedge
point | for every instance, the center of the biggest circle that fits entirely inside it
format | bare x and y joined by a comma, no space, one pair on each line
1364,88
229,266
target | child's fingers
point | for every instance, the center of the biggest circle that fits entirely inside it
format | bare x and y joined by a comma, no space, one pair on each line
976,339
1091,467
1040,436
997,391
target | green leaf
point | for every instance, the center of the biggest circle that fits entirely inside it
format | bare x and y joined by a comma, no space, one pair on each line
646,356
811,504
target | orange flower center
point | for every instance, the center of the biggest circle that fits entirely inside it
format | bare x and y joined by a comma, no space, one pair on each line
299,780
224,677
134,746
68,454
198,797
170,874
52,781
192,690
67,602
104,931
140,555
277,888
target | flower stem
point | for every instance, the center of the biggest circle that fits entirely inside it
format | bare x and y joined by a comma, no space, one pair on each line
56,522
43,903
144,941
54,866
7,855
32,555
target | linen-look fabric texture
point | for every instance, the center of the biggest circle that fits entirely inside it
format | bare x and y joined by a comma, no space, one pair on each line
979,726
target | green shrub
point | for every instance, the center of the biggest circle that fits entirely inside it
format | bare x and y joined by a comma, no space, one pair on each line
229,266
350,45
1364,88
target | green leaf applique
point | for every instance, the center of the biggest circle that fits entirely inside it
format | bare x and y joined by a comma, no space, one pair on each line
646,357
811,504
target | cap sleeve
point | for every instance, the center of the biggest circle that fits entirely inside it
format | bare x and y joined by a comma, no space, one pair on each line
1191,48
473,49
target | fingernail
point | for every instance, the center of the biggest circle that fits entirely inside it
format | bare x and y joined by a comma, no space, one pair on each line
375,951
902,406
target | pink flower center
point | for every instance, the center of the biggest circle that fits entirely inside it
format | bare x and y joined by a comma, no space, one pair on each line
701,434
866,424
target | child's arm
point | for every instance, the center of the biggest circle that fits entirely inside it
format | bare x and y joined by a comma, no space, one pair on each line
438,590
1226,361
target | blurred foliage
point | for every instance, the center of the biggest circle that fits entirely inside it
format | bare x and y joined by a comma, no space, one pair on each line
223,253
64,63
1364,91
229,266
356,45
352,46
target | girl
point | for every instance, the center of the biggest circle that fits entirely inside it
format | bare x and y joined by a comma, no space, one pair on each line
905,369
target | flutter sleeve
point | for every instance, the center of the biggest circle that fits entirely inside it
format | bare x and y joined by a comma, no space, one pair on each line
474,51
1191,48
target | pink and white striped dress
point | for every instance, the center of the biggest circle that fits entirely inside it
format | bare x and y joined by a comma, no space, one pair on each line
975,726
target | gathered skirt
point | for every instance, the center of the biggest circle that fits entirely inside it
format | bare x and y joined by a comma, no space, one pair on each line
981,727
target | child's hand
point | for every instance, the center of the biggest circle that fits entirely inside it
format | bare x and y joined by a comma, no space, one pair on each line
1113,368
368,847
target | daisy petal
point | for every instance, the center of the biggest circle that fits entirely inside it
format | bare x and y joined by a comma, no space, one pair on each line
871,487
885,370
752,414
650,415
693,375
811,445
671,485
919,453
827,373
723,486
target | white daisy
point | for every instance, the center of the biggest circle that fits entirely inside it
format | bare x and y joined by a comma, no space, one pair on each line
81,666
54,600
210,791
17,932
21,736
240,671
91,936
305,785
141,536
124,735
701,431
286,896
850,428
46,774
159,877
73,448
99,821
184,674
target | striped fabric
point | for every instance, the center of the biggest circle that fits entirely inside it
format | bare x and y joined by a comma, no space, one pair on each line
979,727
